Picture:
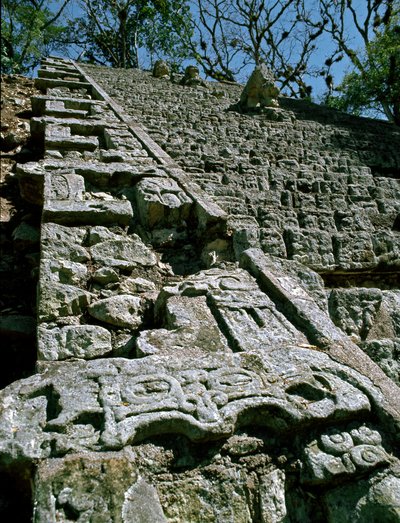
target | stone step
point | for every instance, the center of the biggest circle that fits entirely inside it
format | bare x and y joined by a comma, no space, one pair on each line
90,212
83,127
70,105
59,138
59,74
45,83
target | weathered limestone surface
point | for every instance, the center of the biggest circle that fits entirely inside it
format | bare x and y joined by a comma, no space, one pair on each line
212,294
314,185
337,176
260,90
79,341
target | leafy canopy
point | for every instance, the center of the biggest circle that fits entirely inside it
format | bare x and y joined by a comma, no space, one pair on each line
375,89
114,32
29,30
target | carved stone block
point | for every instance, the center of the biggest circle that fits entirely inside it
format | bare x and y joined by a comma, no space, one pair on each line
107,404
89,212
161,202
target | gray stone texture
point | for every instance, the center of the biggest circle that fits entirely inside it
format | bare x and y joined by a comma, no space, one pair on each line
310,193
328,201
123,252
260,90
74,341
218,295
161,202
106,404
121,311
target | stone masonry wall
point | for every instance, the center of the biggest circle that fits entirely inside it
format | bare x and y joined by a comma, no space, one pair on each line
305,183
185,372
322,187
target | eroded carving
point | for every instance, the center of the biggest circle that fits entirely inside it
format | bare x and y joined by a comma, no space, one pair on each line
110,403
260,90
246,315
340,454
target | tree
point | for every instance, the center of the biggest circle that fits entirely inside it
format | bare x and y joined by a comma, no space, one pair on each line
373,84
29,30
376,88
112,32
231,35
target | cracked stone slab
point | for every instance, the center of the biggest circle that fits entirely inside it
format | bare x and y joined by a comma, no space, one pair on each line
121,311
374,498
58,300
73,341
140,495
123,252
95,486
192,330
90,212
246,315
31,182
211,217
61,242
63,187
160,202
304,312
63,271
272,497
59,137
107,404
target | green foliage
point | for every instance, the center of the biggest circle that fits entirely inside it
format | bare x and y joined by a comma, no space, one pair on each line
374,89
164,33
29,30
114,32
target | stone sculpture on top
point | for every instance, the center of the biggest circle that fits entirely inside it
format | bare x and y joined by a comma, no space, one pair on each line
260,90
161,70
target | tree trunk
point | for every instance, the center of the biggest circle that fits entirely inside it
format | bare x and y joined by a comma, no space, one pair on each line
123,15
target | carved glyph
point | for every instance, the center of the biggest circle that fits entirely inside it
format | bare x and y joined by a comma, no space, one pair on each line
106,404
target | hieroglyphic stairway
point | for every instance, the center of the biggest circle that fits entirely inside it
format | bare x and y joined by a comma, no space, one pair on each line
180,377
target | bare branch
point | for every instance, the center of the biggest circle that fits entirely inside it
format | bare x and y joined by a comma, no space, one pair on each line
57,15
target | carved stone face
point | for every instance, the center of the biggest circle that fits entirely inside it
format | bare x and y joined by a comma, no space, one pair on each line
260,90
168,393
192,72
161,69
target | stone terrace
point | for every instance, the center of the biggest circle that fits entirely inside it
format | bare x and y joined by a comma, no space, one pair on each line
316,186
183,374
312,185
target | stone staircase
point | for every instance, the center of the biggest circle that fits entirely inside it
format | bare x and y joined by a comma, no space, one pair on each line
163,335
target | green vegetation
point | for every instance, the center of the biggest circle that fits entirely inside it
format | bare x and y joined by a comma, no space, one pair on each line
114,32
374,86
29,30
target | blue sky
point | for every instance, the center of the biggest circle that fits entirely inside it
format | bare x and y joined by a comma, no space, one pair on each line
318,84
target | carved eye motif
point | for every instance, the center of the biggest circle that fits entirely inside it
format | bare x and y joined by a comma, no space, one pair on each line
232,284
152,387
234,381
367,456
366,435
148,389
336,443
